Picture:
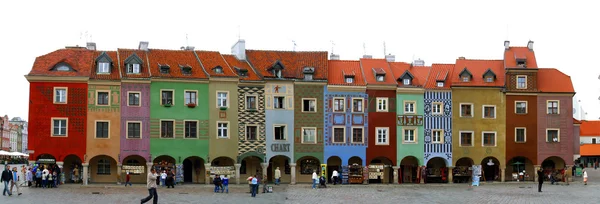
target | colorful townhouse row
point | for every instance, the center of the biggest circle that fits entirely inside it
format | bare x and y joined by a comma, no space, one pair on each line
13,134
252,111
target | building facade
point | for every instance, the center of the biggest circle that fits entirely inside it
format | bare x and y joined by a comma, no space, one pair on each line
5,133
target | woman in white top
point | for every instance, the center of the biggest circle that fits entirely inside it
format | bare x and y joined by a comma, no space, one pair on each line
585,177
45,174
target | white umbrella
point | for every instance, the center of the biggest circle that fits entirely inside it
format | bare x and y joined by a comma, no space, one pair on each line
18,154
5,153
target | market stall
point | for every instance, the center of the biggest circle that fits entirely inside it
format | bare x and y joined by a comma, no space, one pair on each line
462,174
355,174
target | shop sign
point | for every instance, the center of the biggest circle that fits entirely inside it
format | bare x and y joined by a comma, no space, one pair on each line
136,170
222,170
46,161
280,147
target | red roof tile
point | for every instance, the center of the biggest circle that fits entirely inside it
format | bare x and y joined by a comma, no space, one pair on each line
589,128
79,59
477,68
124,54
419,73
293,63
235,64
339,69
442,73
114,70
175,59
513,53
210,60
369,67
589,150
553,81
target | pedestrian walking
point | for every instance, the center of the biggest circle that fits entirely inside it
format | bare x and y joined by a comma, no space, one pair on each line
6,178
315,180
334,176
585,177
225,184
151,185
15,181
540,175
127,179
277,176
254,186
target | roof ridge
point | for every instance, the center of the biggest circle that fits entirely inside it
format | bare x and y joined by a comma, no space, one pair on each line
287,51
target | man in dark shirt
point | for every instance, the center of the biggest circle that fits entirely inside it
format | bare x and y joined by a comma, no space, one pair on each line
6,178
540,175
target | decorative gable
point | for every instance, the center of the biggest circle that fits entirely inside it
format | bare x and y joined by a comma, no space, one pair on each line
465,75
489,75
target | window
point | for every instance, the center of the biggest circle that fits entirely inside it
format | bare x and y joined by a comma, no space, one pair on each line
250,102
489,139
520,107
552,135
409,135
349,80
279,132
553,107
382,136
489,79
339,135
278,102
338,105
103,167
357,105
382,104
102,98
190,129
102,129
489,111
251,132
466,139
166,97
103,67
133,98
166,129
308,76
466,110
60,95
357,135
222,130
520,135
277,73
436,108
465,78
59,127
186,70
309,105
437,136
309,135
406,81
380,77
222,99
164,69
409,107
521,82
440,84
218,70
308,166
191,97
593,140
133,68
134,130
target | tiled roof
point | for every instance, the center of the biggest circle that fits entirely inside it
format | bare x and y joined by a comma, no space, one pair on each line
339,69
175,58
114,70
235,64
440,72
419,73
477,68
513,53
551,80
589,150
293,63
124,54
210,60
367,66
589,128
79,59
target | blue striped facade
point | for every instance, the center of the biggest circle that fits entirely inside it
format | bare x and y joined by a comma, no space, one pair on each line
432,122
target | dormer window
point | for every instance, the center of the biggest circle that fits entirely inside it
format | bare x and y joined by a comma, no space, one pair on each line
308,73
489,79
133,68
489,76
277,73
218,70
164,68
133,64
440,84
522,63
186,69
308,77
406,81
406,78
349,79
103,63
380,77
62,67
277,68
465,79
241,72
465,75
103,67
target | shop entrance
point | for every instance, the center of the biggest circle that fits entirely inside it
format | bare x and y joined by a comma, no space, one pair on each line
462,171
283,162
250,166
222,166
334,163
355,170
72,167
193,170
552,165
437,172
520,169
308,165
409,170
380,170
136,166
491,169
163,163
103,169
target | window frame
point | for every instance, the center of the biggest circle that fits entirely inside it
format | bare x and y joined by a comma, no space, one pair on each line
483,111
246,132
414,107
557,135
227,128
465,78
139,98
460,108
302,135
517,82
127,130
185,103
255,101
52,126
460,141
441,131
100,71
335,107
309,99
185,129
387,136
377,77
387,104
226,105
106,163
96,129
350,78
362,134
517,134
440,112
108,92
161,127
172,96
406,82
517,107
440,84
362,105
415,136
283,106
54,95
343,134
285,135
483,138
557,107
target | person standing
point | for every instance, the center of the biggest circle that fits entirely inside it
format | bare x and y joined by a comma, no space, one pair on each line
45,174
540,175
127,179
29,177
76,174
151,185
334,176
38,177
585,177
15,181
163,178
277,176
254,186
250,184
217,183
225,184
170,179
6,178
315,179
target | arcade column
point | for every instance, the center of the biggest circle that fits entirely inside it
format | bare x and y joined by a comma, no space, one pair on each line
207,176
396,174
237,173
293,171
451,174
502,173
85,173
119,174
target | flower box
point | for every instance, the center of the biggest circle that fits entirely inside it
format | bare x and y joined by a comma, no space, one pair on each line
191,105
167,105
223,108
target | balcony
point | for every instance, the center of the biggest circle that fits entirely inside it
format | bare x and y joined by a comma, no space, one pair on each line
410,120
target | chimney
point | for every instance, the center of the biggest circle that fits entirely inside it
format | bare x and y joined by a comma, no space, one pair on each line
530,45
506,44
189,48
367,57
419,62
91,46
239,49
143,45
390,58
334,57
461,58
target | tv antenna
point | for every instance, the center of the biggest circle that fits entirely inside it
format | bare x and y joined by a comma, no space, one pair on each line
332,46
364,49
187,43
384,49
293,41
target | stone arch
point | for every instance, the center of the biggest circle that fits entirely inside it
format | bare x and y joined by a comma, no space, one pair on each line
70,163
517,165
305,167
409,170
103,169
133,164
251,154
194,170
283,162
490,167
355,160
461,171
333,163
384,165
437,170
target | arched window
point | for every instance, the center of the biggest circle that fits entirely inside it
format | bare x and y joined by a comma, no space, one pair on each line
103,167
132,162
307,166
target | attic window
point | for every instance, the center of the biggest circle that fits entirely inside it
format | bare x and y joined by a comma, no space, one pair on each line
186,69
466,78
489,79
63,67
440,84
133,68
489,75
379,77
164,69
521,63
406,81
103,67
277,73
308,73
241,72
218,70
349,79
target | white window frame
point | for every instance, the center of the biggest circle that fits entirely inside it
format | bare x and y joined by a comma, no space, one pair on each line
440,84
557,134
524,134
107,100
466,79
414,107
66,89
220,103
127,130
309,128
197,129
333,134
406,81
255,102
483,111
160,129
385,130
343,104
349,80
309,99
461,112
362,105
526,107
221,130
380,78
135,68
557,107
460,144
96,129
439,110
52,127
362,134
185,101
285,135
382,101
103,68
483,138
172,96
517,82
415,136
139,93
246,132
283,104
489,79
441,140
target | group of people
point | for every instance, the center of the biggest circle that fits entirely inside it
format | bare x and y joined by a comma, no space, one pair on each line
322,181
541,176
167,178
221,183
36,176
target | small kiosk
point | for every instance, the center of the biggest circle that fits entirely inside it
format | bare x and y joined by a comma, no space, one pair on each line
355,174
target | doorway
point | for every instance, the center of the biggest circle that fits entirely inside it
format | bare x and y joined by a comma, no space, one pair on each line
187,171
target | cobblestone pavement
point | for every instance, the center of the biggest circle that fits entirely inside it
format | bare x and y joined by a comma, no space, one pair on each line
302,193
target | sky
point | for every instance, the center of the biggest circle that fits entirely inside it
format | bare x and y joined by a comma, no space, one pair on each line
566,36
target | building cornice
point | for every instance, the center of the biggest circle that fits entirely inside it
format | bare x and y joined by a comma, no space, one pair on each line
103,82
337,88
227,79
252,83
201,81
410,90
477,87
139,81
31,78
382,86
521,94
319,83
556,94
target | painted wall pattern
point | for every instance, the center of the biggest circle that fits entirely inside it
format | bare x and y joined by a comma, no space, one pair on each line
141,113
284,116
410,121
251,117
308,119
443,122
